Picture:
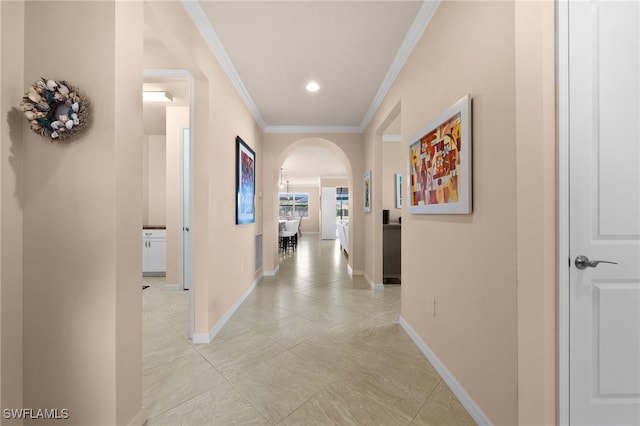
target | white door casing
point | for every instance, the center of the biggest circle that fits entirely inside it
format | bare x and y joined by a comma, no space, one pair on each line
604,212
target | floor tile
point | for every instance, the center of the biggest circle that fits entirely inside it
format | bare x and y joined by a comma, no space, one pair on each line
279,386
443,409
309,346
170,384
340,404
222,405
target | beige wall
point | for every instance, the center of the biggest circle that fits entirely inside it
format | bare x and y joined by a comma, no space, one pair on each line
156,178
475,331
82,219
11,204
536,180
177,119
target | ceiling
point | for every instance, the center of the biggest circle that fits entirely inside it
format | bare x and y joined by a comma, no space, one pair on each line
271,49
306,164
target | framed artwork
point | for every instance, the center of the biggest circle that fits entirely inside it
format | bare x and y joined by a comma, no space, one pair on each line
398,178
245,183
367,192
440,163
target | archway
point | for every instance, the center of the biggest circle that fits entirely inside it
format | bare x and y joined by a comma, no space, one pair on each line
277,150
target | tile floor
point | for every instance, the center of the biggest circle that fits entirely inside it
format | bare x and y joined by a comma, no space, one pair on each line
310,346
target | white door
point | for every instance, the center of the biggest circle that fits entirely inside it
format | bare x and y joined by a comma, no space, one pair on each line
185,202
604,204
329,229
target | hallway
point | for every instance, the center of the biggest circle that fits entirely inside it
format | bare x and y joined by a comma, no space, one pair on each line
308,346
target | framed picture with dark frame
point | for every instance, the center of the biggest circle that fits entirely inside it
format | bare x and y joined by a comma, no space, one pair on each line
245,183
439,179
367,192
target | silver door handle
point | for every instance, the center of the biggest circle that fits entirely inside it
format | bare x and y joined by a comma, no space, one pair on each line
583,262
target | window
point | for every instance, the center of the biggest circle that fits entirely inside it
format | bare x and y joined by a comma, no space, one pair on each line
294,205
342,202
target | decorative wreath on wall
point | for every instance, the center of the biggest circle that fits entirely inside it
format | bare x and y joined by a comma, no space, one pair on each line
55,109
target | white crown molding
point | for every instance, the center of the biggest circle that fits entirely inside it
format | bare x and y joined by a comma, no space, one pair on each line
391,138
312,129
199,18
426,12
167,73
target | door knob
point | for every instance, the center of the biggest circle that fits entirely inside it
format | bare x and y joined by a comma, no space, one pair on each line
583,262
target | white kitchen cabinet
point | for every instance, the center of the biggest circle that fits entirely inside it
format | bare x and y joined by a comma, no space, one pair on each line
154,251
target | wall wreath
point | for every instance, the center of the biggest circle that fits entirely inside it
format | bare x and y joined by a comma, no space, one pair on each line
55,109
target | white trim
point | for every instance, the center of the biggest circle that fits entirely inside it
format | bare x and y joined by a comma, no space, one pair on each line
168,73
192,127
426,12
391,138
354,272
313,129
173,287
139,419
272,273
562,77
199,18
208,338
373,285
464,398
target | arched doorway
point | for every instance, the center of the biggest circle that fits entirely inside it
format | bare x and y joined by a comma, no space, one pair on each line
278,148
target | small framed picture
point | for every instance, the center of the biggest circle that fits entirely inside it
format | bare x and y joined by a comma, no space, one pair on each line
367,192
398,178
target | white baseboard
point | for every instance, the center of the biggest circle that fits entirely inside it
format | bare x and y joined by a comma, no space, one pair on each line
208,338
139,419
464,398
353,272
374,286
173,287
272,273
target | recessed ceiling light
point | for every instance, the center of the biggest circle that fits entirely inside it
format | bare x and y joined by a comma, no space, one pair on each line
156,96
313,86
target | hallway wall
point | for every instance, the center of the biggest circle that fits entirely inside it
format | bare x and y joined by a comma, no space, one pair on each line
11,204
220,115
470,263
82,219
154,180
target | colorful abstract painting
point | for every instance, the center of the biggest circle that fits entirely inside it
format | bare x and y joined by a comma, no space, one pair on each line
439,164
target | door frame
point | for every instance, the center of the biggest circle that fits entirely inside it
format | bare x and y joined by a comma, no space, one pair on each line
562,78
185,75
